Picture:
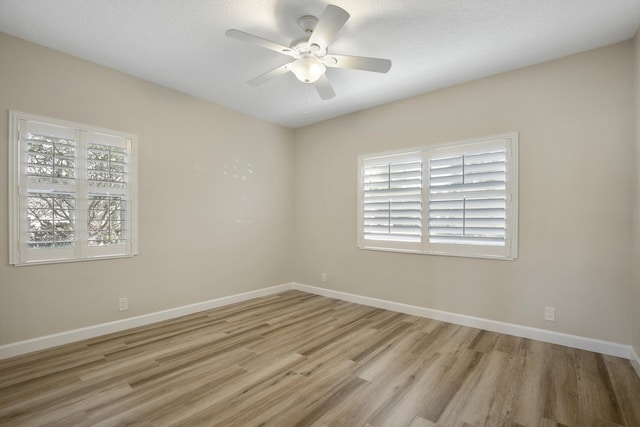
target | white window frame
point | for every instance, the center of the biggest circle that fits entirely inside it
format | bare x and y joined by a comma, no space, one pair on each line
19,253
509,251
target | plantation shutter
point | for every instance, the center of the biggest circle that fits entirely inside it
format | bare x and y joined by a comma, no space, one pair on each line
107,182
72,191
47,226
456,199
391,198
468,198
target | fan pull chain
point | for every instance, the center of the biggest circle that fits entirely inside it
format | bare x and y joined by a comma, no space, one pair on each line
306,99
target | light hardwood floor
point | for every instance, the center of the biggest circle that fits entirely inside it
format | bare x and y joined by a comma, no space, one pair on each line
295,359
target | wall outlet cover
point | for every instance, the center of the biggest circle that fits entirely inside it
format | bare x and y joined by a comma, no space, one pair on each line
550,314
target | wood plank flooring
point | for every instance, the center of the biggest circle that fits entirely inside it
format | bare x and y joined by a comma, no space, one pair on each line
295,359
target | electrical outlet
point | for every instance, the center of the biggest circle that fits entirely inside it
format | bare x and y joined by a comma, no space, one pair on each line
550,314
123,304
324,277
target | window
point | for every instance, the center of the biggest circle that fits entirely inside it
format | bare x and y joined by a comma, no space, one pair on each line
456,199
72,191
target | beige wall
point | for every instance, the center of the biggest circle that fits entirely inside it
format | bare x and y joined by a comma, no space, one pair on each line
636,234
205,231
575,121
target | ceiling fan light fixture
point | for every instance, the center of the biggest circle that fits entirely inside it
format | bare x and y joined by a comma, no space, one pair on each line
307,70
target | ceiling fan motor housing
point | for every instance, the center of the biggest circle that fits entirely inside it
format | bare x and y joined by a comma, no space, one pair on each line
308,23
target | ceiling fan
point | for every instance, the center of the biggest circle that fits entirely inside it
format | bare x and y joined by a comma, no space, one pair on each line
310,53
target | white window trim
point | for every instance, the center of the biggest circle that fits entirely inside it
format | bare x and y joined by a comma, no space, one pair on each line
15,170
508,252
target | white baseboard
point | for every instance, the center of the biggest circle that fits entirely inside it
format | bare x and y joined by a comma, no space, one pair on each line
40,343
583,343
605,347
635,361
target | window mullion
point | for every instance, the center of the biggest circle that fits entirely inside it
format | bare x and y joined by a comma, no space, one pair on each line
81,195
425,199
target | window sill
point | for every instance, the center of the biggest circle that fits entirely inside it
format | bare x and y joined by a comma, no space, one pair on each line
64,261
439,253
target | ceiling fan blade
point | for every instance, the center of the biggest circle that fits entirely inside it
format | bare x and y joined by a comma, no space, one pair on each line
283,69
324,88
357,63
259,41
333,18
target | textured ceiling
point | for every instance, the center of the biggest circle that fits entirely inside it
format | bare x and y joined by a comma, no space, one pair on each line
432,44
